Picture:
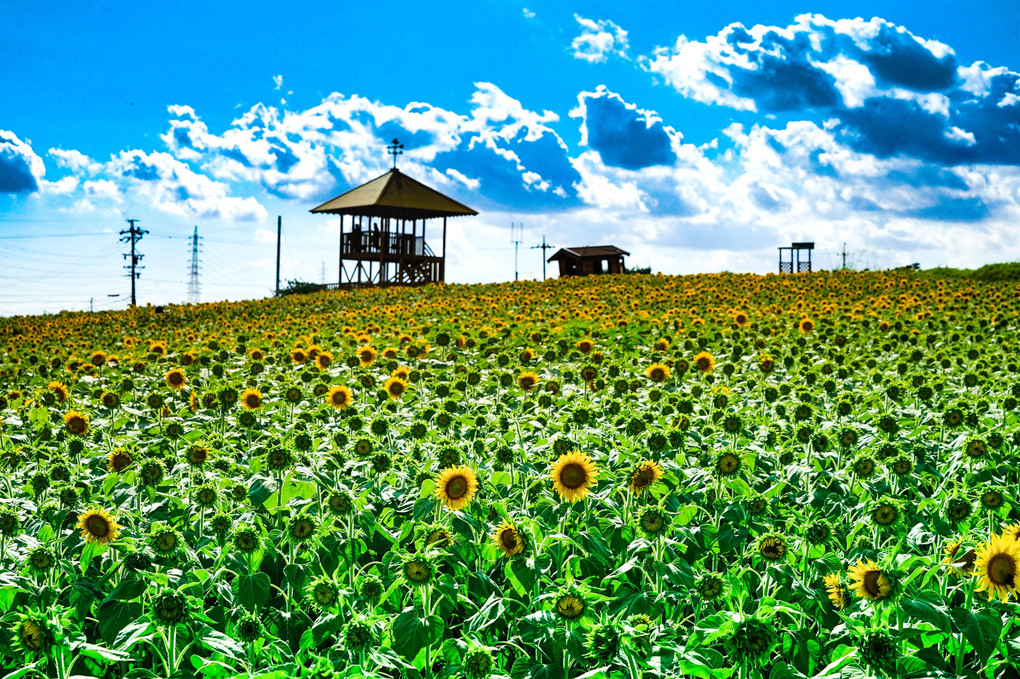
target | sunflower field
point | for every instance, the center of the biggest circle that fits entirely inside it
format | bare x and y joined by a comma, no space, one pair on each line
618,476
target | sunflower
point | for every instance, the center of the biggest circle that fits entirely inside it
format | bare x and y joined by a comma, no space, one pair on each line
772,547
527,380
298,356
711,586
653,521
886,513
658,372
570,604
572,475
870,581
455,486
585,346
836,592
418,570
508,539
98,526
251,399
367,356
806,325
727,464
996,567
32,632
339,397
704,362
323,592
644,475
175,379
76,423
395,387
119,460
765,362
197,455
59,391
323,360
438,536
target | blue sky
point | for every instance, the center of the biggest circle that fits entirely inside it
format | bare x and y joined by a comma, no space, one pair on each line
697,136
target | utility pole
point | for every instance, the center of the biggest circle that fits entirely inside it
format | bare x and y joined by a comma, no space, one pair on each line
323,280
844,256
193,286
516,232
543,247
133,234
279,235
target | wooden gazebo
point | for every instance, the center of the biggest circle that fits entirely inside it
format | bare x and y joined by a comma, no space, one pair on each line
589,260
383,242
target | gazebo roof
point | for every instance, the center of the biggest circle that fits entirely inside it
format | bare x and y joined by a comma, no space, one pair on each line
588,251
394,195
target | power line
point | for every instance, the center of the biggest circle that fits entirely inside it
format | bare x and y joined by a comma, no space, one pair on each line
133,235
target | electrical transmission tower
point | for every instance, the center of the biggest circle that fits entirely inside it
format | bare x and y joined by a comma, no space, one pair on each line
543,247
516,233
193,286
133,234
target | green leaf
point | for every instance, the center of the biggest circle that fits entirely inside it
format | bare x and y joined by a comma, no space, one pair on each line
919,609
114,618
101,653
130,635
251,591
980,627
412,633
220,643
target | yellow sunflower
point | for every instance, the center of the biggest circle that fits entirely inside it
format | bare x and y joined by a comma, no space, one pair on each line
339,397
508,539
996,567
175,379
836,591
395,387
251,399
119,460
528,380
572,475
455,486
644,475
76,423
869,581
367,356
704,362
60,391
658,372
98,526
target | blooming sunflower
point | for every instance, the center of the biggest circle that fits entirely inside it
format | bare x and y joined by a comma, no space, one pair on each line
175,379
76,423
836,592
119,460
658,372
644,475
395,387
251,398
339,397
572,475
59,391
367,356
996,567
527,380
806,325
704,362
98,526
772,547
455,486
508,539
870,581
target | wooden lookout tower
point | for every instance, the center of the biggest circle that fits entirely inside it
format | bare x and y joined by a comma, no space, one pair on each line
793,263
383,241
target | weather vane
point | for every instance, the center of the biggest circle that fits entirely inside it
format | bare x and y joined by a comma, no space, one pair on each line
394,150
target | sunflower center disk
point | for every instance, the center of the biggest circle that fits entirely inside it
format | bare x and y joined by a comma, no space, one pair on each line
98,526
1002,570
573,476
508,539
642,478
871,583
456,488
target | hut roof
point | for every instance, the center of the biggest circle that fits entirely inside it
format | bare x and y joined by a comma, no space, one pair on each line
588,251
396,195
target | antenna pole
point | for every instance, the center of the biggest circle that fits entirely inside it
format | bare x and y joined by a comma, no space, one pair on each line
193,286
516,232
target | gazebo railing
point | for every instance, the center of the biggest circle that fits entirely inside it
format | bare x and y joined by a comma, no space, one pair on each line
382,243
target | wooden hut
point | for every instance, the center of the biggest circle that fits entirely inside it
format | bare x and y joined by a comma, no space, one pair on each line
591,260
382,231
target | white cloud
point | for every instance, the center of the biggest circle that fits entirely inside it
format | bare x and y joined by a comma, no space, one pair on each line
21,169
278,81
528,14
599,40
